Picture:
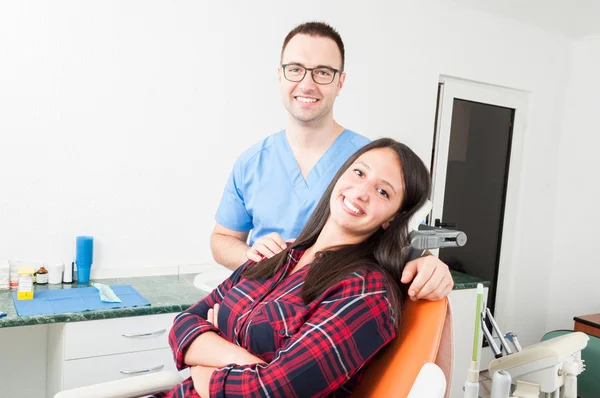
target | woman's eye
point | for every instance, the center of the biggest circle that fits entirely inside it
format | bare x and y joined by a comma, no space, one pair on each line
358,172
382,192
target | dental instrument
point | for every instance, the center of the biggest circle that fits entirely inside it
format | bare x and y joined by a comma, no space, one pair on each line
498,332
510,336
486,332
471,386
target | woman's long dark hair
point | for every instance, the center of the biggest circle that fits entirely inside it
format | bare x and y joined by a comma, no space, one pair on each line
386,250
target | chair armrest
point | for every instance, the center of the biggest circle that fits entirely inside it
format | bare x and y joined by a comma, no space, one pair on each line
430,382
126,388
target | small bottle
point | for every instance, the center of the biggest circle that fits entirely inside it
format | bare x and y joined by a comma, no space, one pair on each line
14,274
42,276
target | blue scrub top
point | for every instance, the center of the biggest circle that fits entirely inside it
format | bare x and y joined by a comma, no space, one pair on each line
266,192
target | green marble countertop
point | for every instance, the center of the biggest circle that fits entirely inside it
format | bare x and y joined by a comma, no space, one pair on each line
464,281
168,293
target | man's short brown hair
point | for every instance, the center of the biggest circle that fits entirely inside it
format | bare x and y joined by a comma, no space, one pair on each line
318,29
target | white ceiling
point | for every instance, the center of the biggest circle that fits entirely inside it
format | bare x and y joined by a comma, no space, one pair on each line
572,18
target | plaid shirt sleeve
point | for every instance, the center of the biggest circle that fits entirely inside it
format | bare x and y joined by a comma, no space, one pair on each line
351,323
192,322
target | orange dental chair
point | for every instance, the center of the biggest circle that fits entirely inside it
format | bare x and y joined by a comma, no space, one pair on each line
418,363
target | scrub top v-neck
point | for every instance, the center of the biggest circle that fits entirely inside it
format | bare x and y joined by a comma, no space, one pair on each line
266,191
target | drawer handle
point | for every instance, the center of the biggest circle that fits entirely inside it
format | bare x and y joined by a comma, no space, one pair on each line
135,372
161,331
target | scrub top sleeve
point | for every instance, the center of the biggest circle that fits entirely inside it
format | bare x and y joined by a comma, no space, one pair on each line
232,212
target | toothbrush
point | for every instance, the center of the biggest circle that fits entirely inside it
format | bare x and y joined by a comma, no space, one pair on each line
471,385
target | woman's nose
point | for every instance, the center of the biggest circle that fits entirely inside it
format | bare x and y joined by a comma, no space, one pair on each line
362,192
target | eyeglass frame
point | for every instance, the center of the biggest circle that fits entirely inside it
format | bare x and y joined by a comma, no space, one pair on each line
335,71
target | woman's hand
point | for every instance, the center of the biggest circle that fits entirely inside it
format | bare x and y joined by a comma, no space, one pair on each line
201,378
237,355
213,316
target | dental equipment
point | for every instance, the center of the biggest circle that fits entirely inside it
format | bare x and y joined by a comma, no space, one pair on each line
510,336
425,237
549,367
496,329
428,237
471,386
488,336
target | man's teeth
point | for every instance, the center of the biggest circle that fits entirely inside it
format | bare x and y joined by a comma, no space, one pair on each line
302,99
351,207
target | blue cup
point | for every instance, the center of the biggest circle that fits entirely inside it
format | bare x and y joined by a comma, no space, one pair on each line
84,258
83,273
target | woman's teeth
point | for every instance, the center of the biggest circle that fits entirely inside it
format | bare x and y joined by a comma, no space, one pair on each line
351,207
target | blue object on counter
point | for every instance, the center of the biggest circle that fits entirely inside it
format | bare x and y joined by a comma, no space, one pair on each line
84,257
76,300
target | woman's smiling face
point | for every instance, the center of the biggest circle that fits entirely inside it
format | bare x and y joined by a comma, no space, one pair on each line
369,193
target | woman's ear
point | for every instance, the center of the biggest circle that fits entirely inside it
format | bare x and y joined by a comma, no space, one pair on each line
387,224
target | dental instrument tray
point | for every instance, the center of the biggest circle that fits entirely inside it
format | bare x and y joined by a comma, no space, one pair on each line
61,301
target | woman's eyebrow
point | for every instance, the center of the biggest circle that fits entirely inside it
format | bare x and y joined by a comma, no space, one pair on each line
366,166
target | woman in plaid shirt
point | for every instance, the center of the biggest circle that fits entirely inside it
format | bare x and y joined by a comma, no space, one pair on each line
307,321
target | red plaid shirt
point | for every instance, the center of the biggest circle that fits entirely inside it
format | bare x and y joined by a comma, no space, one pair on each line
318,349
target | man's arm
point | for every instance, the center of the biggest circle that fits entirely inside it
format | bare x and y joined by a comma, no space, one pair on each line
229,247
431,278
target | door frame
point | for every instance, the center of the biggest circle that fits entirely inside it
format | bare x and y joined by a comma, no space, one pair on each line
518,100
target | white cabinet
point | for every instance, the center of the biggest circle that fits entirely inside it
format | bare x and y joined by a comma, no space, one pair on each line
463,304
84,353
83,372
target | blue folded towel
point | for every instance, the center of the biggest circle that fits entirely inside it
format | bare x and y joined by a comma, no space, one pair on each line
76,300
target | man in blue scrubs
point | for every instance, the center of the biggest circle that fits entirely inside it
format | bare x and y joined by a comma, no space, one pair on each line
276,184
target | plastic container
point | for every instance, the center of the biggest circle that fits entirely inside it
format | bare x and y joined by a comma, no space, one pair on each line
55,273
4,277
14,266
25,290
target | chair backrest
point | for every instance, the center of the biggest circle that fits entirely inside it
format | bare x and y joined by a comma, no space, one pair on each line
587,382
425,335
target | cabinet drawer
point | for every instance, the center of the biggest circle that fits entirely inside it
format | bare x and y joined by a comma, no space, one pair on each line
117,336
84,372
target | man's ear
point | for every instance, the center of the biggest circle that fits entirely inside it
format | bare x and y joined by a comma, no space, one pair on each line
341,82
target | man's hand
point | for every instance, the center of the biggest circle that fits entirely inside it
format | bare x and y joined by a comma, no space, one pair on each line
266,247
431,278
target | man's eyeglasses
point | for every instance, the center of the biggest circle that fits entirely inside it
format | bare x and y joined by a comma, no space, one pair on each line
321,75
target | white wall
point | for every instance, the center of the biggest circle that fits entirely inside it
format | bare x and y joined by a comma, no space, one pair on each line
574,287
122,119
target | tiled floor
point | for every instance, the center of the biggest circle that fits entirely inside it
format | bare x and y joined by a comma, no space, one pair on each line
485,384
